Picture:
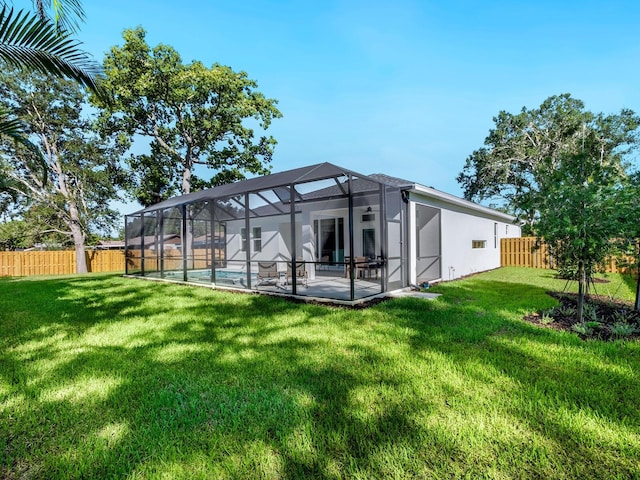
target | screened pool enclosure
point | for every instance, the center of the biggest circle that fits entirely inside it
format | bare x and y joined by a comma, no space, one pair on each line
319,231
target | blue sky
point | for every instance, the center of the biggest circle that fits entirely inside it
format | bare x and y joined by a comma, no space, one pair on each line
406,88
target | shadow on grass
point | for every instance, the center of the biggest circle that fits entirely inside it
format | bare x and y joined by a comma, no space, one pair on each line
228,378
110,378
562,386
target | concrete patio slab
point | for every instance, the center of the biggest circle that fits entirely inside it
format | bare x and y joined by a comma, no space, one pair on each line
414,294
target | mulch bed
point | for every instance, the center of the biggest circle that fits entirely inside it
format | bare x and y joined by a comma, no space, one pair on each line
609,312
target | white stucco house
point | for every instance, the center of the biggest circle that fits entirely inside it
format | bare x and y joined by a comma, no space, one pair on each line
321,231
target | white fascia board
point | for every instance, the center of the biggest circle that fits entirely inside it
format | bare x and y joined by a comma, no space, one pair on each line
460,202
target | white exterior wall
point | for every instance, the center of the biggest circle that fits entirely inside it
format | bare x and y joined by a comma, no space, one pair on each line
460,226
234,242
276,239
459,230
276,233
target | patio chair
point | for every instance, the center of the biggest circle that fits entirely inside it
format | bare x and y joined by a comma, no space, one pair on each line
324,263
301,273
359,265
268,272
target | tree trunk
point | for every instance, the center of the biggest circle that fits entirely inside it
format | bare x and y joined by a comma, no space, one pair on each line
581,284
186,180
78,238
78,243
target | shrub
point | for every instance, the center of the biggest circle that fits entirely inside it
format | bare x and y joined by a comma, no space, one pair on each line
623,329
547,317
582,328
623,316
590,313
565,310
586,328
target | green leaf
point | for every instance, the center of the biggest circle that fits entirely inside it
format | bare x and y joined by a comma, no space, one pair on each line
27,41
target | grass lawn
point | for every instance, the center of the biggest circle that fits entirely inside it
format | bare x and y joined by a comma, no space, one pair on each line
102,376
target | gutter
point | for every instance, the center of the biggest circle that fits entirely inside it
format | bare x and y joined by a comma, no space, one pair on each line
452,199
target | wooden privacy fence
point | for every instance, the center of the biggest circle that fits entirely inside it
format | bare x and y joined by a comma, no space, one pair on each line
516,252
521,252
58,262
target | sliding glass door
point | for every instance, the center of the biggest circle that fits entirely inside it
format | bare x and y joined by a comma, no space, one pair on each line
330,239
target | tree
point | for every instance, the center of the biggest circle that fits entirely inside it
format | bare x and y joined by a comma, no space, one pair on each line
522,150
15,234
38,224
577,205
82,168
191,115
152,177
560,168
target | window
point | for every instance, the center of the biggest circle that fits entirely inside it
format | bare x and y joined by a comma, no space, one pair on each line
506,230
257,239
243,239
329,234
495,235
256,234
478,244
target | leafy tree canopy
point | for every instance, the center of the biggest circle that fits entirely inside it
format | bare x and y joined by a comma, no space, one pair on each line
15,234
523,150
190,114
83,168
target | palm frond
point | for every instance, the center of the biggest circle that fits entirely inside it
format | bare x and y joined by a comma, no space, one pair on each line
66,14
27,41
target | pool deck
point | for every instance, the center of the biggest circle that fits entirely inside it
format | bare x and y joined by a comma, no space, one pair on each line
332,290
